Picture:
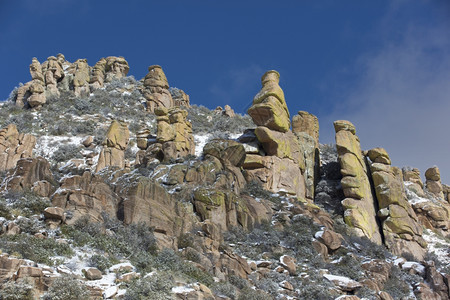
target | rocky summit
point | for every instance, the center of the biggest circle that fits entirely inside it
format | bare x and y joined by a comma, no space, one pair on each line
117,188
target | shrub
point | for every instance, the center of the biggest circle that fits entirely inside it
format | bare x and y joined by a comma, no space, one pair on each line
136,242
157,287
25,203
101,262
4,210
395,286
21,289
36,249
66,152
368,248
224,289
250,294
66,288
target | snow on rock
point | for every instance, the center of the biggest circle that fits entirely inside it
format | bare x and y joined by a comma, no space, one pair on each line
111,292
182,290
344,283
200,141
319,234
437,246
126,266
420,269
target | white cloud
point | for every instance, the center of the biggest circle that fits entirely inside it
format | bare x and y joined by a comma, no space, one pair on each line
402,100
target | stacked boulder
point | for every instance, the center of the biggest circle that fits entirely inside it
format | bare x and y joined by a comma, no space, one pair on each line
14,146
173,140
433,182
53,73
33,92
98,74
434,213
115,68
412,179
180,98
305,126
401,229
56,74
114,146
359,204
81,78
276,161
156,89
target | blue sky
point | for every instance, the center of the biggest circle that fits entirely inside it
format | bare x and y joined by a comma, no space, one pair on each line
384,65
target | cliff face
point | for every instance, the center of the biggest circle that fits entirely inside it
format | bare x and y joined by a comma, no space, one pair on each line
133,193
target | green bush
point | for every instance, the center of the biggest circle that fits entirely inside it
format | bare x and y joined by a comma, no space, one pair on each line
224,289
19,290
395,285
250,294
35,249
66,288
24,203
66,152
157,287
135,242
101,262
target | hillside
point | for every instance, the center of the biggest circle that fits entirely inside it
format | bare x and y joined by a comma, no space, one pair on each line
117,188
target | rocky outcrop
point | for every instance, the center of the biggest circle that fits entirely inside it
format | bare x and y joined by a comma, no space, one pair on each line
269,107
180,98
305,126
115,68
97,78
53,73
114,146
359,204
414,182
85,196
401,229
433,182
31,174
14,146
56,74
156,89
173,140
81,78
274,155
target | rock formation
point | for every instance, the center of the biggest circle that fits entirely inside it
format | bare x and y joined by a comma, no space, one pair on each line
282,167
31,174
14,146
37,96
85,196
414,182
81,78
173,140
359,204
53,72
98,74
433,213
156,89
433,182
114,146
180,98
32,93
269,106
56,74
115,68
401,229
305,126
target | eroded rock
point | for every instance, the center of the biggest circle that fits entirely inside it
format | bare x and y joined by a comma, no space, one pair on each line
359,205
